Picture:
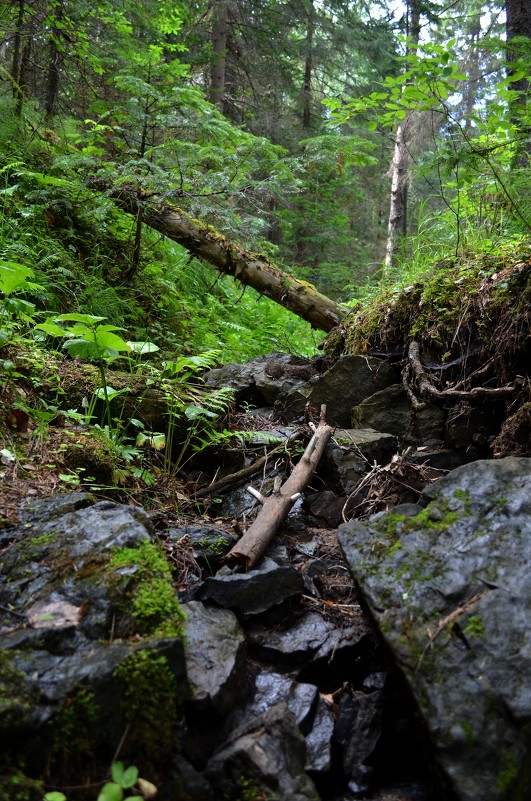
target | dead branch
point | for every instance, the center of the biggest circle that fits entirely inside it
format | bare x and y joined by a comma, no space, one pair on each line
234,478
253,544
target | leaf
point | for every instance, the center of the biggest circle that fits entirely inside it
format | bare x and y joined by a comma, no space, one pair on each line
55,796
87,319
117,771
83,349
148,789
51,328
111,792
130,776
13,276
143,347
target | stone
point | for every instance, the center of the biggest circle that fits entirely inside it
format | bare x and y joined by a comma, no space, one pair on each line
351,453
311,639
449,590
215,651
343,386
326,506
209,544
358,729
319,740
390,410
253,592
267,756
270,689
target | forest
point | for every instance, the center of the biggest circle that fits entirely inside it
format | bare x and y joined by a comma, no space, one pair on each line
190,183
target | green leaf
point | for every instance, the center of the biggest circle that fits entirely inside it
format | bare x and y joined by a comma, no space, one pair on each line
13,276
51,328
143,347
111,392
111,792
55,796
87,319
83,349
129,777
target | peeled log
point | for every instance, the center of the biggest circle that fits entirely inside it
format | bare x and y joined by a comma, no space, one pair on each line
251,269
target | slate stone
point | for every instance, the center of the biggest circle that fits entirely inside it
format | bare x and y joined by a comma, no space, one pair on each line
269,753
319,740
346,384
449,589
255,591
358,728
310,639
390,410
351,453
209,544
215,651
271,688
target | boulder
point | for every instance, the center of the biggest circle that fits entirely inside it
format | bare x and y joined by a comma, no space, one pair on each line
264,758
352,452
215,651
390,410
345,385
448,586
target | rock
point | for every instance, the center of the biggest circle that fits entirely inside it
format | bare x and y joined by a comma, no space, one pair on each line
449,589
390,410
253,592
346,384
262,379
311,640
514,438
319,740
358,729
352,452
75,584
209,545
215,651
467,426
266,756
326,506
270,689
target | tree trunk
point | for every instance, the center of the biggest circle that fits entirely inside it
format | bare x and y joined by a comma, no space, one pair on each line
251,269
54,62
519,24
219,48
397,225
308,68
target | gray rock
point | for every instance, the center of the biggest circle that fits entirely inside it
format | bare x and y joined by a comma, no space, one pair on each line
352,452
358,729
390,410
255,591
271,688
215,652
346,384
319,740
265,756
450,591
311,639
209,544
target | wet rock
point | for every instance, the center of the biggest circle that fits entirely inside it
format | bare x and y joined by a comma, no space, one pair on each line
326,507
215,651
262,379
456,617
253,592
319,740
209,545
265,756
346,384
270,689
311,639
185,784
352,452
63,603
357,730
467,426
390,410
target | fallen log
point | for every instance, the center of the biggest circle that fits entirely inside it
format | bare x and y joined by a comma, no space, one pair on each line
253,544
251,269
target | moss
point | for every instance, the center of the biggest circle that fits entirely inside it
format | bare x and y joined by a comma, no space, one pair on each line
16,786
507,774
73,723
467,731
15,700
150,702
150,594
474,628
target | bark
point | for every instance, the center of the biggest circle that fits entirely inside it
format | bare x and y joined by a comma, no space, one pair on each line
253,544
308,69
219,48
397,225
54,64
251,269
518,24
